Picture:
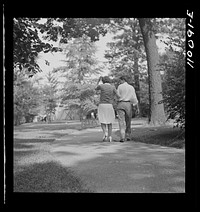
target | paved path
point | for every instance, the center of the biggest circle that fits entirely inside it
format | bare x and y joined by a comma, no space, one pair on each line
109,167
121,167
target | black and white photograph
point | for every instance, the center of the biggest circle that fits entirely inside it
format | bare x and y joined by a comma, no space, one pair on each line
99,104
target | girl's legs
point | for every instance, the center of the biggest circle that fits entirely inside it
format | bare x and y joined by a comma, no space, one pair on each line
103,126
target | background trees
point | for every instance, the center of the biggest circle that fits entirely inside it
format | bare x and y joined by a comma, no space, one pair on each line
173,65
126,56
81,65
133,52
174,88
31,36
49,93
26,98
27,44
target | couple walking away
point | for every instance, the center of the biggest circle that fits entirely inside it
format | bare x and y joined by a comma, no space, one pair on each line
126,97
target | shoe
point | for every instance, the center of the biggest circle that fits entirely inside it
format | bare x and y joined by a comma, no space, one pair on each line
110,139
122,140
105,137
128,139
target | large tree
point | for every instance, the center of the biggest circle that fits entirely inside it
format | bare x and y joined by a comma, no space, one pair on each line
81,64
157,113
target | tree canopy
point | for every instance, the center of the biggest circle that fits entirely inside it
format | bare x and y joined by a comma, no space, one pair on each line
27,98
132,52
173,65
27,42
81,65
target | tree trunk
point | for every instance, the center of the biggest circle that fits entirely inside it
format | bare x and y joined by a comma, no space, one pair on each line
156,112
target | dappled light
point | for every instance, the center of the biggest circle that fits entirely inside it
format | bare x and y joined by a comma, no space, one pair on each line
99,105
100,166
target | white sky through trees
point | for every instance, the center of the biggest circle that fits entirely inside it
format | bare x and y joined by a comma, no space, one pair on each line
55,58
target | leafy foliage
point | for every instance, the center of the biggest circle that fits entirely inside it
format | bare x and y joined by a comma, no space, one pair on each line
80,60
49,95
126,45
173,65
174,88
26,98
81,65
80,97
126,54
27,42
69,28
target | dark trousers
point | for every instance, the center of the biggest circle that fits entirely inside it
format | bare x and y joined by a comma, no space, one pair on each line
124,112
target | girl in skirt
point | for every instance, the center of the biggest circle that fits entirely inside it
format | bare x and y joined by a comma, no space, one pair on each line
106,113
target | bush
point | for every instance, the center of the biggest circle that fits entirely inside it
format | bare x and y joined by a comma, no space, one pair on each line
26,98
174,88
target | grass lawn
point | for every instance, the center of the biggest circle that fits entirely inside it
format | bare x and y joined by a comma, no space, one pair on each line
39,172
48,177
43,174
164,136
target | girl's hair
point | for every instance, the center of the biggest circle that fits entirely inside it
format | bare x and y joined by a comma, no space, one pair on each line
106,79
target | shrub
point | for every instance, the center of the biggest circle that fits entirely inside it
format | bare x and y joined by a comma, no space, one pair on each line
174,87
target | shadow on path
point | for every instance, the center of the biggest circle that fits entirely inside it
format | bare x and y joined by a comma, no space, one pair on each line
122,167
47,177
104,167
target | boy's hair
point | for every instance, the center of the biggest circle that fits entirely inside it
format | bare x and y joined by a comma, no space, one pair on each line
125,78
106,79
